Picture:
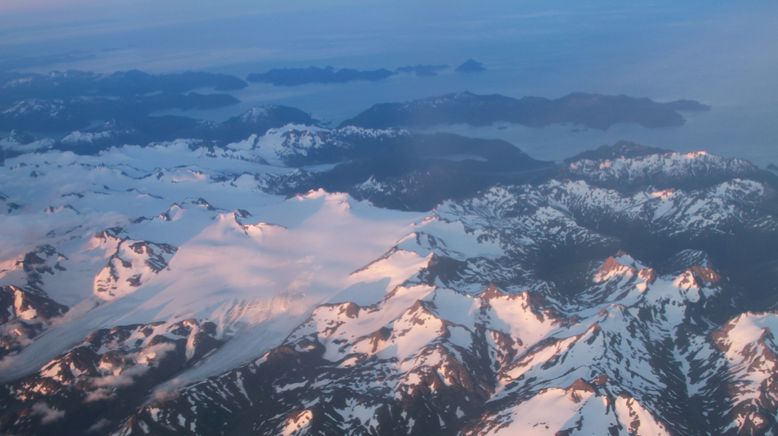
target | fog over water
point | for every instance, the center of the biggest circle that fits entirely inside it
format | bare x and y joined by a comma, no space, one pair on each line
664,50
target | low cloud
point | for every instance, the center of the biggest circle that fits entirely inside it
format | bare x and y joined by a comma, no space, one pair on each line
47,413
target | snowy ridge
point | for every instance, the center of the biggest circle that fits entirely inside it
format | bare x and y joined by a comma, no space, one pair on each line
294,144
748,343
111,365
428,342
659,167
117,197
581,408
130,264
24,315
561,211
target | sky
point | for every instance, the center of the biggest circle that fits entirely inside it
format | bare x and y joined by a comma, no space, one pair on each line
721,53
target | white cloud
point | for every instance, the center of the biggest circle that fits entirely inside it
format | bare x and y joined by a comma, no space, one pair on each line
48,414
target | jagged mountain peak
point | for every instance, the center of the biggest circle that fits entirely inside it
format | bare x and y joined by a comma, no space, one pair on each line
662,169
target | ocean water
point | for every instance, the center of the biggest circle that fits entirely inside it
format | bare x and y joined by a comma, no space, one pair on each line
720,54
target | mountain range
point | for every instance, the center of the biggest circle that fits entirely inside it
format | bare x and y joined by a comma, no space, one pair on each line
361,280
87,112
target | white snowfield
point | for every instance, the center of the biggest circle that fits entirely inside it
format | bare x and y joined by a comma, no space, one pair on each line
253,263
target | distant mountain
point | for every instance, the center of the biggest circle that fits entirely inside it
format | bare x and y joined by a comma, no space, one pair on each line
255,121
63,101
72,84
88,111
632,165
53,116
470,66
417,172
329,74
301,76
621,149
589,110
391,168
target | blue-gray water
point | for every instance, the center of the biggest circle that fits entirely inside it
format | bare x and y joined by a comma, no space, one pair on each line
723,54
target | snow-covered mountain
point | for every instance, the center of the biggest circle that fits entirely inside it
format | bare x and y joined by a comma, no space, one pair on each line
258,288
